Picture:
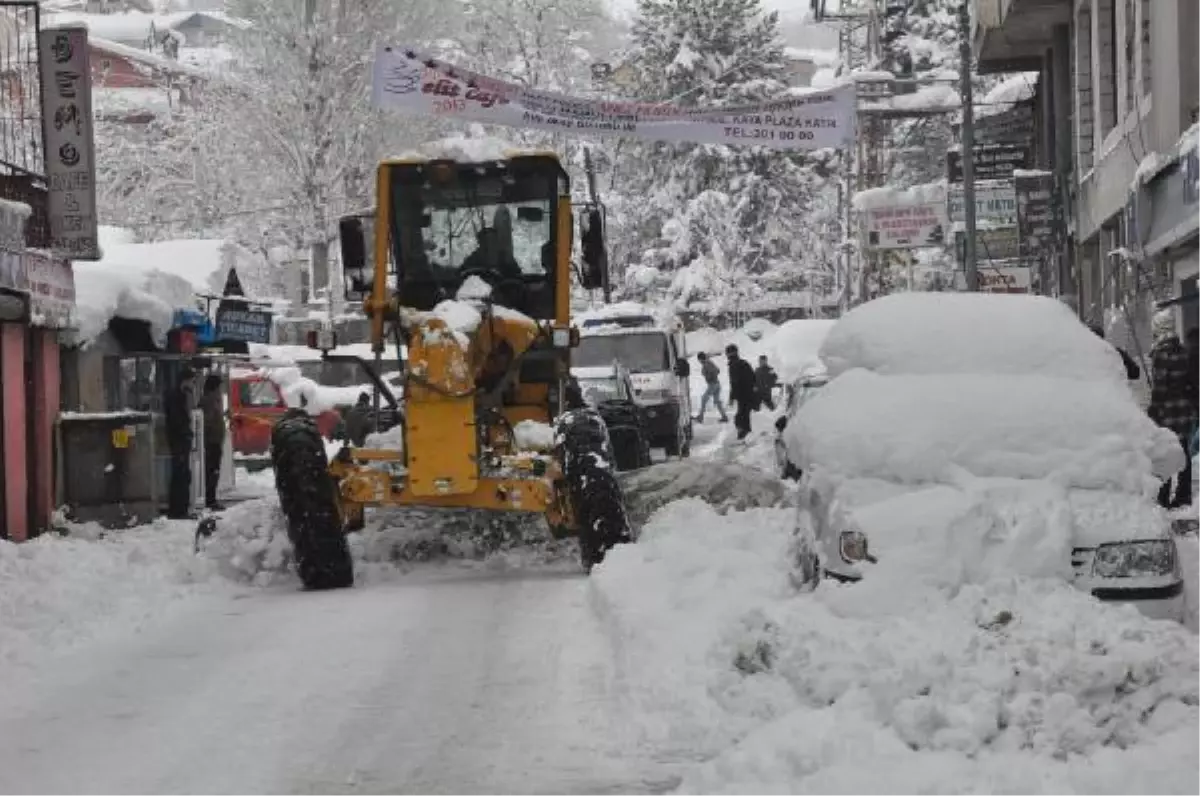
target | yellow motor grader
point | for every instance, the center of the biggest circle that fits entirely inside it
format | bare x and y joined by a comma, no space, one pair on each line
468,265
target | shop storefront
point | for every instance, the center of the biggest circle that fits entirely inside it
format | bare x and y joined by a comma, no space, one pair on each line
37,298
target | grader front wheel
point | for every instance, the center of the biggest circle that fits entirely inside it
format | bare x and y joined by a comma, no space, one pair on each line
595,494
308,497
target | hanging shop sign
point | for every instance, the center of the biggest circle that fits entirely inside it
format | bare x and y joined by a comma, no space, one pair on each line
243,325
1000,279
909,219
51,290
65,69
992,161
1039,214
995,204
408,81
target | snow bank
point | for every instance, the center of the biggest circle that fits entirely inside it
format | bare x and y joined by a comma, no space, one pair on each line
464,149
969,333
914,429
196,260
57,593
1007,685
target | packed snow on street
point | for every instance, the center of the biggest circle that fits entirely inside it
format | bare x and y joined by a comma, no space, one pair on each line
475,656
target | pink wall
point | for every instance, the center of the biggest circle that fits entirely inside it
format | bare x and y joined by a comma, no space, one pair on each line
12,377
46,387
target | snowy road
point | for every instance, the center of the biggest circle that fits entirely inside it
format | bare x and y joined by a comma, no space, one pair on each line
441,682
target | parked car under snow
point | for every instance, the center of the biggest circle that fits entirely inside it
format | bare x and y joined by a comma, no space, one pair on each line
994,432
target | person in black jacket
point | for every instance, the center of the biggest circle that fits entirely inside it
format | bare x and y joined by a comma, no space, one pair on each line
177,410
743,390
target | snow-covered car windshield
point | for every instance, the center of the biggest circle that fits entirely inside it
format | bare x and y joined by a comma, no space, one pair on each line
646,352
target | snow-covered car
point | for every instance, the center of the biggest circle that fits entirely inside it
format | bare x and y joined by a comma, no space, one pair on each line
796,395
999,428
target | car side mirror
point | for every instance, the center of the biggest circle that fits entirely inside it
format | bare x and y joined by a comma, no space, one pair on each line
352,233
682,368
781,423
595,257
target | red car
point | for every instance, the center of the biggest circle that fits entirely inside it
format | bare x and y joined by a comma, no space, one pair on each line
256,404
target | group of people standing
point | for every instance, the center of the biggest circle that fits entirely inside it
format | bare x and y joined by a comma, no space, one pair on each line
749,388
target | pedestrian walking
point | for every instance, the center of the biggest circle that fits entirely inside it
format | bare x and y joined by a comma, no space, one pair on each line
765,380
177,411
712,387
1173,402
742,390
212,407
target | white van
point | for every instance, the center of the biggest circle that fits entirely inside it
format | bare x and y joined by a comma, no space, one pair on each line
655,354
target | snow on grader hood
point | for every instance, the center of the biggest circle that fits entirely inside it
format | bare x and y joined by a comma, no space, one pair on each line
483,369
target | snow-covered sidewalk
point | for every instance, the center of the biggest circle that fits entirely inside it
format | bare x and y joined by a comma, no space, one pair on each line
999,686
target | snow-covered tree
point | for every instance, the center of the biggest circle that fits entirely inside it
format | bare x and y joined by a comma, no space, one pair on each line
712,218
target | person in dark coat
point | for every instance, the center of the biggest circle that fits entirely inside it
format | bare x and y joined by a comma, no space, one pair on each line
212,405
358,421
743,390
177,410
1173,402
765,379
1132,371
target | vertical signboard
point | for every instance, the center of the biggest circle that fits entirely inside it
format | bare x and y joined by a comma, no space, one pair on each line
65,67
1039,214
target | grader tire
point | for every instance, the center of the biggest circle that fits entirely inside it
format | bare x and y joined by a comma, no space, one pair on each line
308,497
595,493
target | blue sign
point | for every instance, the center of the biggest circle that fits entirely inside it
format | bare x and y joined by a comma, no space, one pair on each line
243,325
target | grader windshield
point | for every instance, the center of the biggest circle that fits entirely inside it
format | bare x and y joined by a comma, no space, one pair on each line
496,221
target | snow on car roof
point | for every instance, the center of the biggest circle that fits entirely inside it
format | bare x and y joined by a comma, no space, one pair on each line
929,428
969,333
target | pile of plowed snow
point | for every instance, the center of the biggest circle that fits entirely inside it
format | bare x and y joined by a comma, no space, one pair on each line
251,546
998,684
58,592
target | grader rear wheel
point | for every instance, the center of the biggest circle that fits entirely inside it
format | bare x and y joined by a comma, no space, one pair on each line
595,493
308,497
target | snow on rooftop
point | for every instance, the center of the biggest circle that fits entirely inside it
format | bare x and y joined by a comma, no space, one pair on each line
824,77
818,57
1007,94
144,57
969,333
890,196
193,260
1189,140
111,288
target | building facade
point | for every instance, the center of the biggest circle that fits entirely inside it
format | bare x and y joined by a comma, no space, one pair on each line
1117,102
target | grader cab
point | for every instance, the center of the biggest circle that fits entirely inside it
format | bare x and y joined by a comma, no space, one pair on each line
469,266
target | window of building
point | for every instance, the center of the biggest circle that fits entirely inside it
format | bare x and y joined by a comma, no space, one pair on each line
1084,107
1146,48
1109,57
1130,53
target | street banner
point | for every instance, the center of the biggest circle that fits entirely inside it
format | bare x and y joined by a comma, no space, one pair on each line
408,81
909,219
999,278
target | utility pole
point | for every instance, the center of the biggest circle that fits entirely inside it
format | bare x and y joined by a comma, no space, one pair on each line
970,264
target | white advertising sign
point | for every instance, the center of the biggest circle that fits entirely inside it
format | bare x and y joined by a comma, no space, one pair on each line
904,225
407,81
66,75
51,289
1000,279
995,204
